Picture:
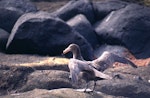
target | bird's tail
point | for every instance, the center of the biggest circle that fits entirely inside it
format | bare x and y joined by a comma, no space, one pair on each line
101,75
124,60
132,64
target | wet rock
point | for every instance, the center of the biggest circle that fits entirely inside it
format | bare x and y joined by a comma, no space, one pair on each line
8,17
128,26
42,34
83,26
3,39
75,7
23,5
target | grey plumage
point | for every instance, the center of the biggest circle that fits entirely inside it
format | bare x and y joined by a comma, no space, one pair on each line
82,69
90,70
78,66
105,61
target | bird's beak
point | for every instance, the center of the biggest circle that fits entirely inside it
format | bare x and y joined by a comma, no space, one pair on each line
66,50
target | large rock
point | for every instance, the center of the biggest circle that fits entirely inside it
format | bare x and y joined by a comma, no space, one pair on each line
42,34
47,79
12,78
23,5
103,8
34,61
25,72
3,39
130,82
8,17
130,27
83,26
130,89
74,7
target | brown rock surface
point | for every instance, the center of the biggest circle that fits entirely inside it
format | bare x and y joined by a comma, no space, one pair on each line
57,93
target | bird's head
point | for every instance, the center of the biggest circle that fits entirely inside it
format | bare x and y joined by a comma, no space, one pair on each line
71,48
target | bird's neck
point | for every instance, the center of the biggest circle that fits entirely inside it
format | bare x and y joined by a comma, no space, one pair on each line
77,54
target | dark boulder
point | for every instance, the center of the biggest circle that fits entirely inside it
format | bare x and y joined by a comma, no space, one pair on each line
74,7
103,8
130,27
40,33
8,17
80,24
129,89
23,5
3,39
129,82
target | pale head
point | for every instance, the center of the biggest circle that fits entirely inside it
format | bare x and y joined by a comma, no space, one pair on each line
71,48
74,48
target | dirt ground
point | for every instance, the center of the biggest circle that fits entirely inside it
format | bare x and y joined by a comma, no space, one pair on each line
52,5
49,6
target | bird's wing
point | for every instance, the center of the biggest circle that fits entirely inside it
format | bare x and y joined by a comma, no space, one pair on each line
78,64
123,60
86,66
101,75
74,70
74,77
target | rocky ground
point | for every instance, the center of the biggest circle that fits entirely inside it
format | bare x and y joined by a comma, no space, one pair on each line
32,76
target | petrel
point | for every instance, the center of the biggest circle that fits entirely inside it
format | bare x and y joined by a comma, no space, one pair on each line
80,68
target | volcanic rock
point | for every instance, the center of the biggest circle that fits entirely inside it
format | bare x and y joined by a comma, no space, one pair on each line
130,27
80,24
3,39
8,17
75,7
42,34
23,5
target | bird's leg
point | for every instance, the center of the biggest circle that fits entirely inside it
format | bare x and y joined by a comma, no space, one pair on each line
86,86
94,85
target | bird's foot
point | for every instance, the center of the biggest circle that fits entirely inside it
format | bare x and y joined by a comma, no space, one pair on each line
84,90
88,90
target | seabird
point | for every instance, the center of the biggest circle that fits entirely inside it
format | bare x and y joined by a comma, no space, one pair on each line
82,69
106,60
